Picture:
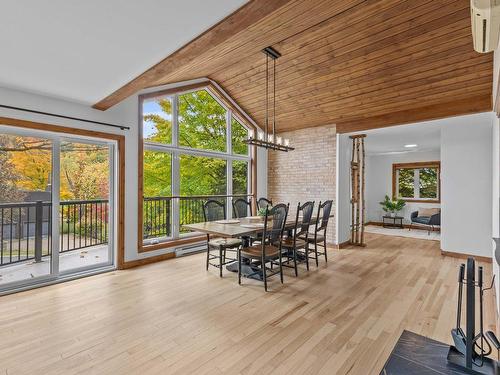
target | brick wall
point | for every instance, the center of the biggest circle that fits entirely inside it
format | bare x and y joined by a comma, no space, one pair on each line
307,173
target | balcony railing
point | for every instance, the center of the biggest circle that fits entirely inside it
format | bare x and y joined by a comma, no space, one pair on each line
157,213
25,228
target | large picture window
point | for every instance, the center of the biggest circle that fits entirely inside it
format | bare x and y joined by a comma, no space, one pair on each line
192,150
418,182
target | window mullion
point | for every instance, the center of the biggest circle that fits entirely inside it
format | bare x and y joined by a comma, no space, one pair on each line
192,151
175,175
229,145
175,121
229,189
229,165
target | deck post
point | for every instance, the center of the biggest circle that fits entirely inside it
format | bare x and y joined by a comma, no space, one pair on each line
38,231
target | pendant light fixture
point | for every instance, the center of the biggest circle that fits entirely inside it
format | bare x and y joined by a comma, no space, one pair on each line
268,139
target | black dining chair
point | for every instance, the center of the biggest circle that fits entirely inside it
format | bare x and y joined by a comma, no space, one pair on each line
318,237
296,243
269,251
214,210
262,203
242,208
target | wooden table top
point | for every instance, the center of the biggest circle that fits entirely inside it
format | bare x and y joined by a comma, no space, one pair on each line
235,230
228,230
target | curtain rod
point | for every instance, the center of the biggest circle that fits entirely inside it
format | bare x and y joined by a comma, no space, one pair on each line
65,117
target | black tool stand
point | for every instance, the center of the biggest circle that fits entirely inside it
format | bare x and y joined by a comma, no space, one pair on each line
471,362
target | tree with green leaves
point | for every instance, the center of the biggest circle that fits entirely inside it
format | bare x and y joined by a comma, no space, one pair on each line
202,125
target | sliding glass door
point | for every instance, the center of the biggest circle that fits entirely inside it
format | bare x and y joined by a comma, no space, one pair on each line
84,209
56,207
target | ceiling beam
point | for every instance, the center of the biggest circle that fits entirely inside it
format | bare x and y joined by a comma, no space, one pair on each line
240,20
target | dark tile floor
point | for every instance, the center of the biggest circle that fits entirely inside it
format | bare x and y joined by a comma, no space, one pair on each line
419,355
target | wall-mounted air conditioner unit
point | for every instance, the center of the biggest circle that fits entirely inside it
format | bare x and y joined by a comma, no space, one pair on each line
485,18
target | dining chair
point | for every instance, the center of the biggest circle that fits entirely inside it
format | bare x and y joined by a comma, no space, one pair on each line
296,243
214,210
318,237
242,208
262,203
269,251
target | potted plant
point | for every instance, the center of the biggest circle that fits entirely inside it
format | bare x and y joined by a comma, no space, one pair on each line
262,211
392,206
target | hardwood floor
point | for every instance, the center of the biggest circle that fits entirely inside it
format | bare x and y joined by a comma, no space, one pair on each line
173,317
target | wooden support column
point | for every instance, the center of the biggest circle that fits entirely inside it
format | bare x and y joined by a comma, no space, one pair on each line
358,190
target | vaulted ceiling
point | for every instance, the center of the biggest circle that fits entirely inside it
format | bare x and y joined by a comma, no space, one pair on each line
354,63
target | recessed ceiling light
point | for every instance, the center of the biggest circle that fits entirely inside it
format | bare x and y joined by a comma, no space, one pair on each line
411,146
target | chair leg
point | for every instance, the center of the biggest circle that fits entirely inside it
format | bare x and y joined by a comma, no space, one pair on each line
281,269
324,244
239,266
307,256
208,250
264,275
220,260
316,252
295,262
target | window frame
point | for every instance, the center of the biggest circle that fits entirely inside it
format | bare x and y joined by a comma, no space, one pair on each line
415,166
177,150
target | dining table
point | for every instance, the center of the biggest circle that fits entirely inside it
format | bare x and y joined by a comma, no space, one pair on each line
244,228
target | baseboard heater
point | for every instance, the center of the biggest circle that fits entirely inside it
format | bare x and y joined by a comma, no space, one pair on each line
191,249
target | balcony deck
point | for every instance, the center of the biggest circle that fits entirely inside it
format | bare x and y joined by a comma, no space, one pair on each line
67,260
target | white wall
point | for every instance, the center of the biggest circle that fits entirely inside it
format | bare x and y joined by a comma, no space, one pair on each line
496,177
466,181
379,181
125,113
495,218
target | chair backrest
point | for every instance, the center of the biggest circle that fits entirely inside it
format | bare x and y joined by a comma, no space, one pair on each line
306,211
274,233
242,208
322,219
263,203
214,210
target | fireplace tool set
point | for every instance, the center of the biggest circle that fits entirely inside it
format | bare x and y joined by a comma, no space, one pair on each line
471,349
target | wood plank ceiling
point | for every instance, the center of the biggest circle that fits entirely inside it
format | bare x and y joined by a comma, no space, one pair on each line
354,63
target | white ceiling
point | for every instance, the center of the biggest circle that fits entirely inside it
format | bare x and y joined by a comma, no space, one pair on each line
391,140
84,50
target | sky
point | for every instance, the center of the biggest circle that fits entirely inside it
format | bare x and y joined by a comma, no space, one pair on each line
151,107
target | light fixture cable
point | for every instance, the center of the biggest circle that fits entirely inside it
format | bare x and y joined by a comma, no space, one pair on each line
269,140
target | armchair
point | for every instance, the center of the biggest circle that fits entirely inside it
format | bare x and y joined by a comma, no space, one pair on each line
426,218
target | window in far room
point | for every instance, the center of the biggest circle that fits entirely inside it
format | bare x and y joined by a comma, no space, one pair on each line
418,182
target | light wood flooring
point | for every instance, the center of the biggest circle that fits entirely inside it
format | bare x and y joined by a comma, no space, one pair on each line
173,317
